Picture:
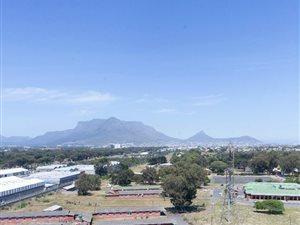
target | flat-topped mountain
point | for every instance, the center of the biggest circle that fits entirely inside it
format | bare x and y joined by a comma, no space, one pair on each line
112,130
103,132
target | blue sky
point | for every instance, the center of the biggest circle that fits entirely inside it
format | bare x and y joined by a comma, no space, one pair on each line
227,67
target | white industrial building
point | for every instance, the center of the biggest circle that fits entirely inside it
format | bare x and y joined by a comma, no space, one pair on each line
49,167
15,188
60,178
88,169
14,172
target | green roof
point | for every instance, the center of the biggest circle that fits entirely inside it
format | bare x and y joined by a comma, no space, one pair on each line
272,188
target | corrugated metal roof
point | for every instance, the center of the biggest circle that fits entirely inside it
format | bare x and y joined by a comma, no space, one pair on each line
272,188
12,182
12,171
131,209
53,208
137,187
134,192
9,215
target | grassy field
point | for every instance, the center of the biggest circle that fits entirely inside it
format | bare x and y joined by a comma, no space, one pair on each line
242,214
210,215
71,201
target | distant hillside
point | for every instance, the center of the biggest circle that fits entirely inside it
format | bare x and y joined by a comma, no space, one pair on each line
203,138
101,132
15,140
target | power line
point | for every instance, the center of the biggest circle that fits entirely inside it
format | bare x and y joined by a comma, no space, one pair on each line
1,73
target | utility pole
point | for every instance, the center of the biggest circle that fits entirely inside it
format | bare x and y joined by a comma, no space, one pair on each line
229,192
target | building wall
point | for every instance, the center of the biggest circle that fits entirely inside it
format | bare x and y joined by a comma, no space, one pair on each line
68,180
265,197
21,195
37,220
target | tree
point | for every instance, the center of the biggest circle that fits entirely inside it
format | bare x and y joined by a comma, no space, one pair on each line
290,162
150,175
138,178
273,206
87,183
180,190
259,164
194,173
157,160
122,177
218,166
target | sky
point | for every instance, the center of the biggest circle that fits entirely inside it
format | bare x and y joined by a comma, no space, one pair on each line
228,67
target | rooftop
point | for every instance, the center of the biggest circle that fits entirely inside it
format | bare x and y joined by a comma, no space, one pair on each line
130,209
140,187
53,176
76,167
53,208
272,188
12,170
8,215
50,167
10,183
135,192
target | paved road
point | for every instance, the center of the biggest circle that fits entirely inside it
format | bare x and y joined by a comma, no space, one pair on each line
178,218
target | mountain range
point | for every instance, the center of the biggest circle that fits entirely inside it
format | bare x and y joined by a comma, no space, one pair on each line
102,132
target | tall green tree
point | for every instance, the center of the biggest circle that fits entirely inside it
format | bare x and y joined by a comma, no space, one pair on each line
180,190
218,166
290,162
150,175
122,177
87,183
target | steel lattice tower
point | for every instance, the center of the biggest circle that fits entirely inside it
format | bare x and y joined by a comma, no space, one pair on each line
228,214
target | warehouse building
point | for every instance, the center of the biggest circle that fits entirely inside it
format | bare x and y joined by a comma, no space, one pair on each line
53,218
134,194
129,213
59,178
272,190
136,188
88,169
49,167
19,172
14,188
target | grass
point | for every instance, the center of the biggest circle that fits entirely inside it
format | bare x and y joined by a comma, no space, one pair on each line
138,168
210,216
71,201
242,214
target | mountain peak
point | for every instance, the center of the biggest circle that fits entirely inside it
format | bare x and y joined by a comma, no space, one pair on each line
113,119
201,136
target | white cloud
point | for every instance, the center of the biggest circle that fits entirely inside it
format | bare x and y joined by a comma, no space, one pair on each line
165,110
35,94
149,99
208,100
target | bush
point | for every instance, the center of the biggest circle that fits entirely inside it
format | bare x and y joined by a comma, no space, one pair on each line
86,183
273,206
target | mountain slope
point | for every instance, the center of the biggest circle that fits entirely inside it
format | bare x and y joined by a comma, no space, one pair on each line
15,140
103,132
112,130
203,138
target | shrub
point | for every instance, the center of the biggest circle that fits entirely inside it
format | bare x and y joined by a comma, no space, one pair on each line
273,206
